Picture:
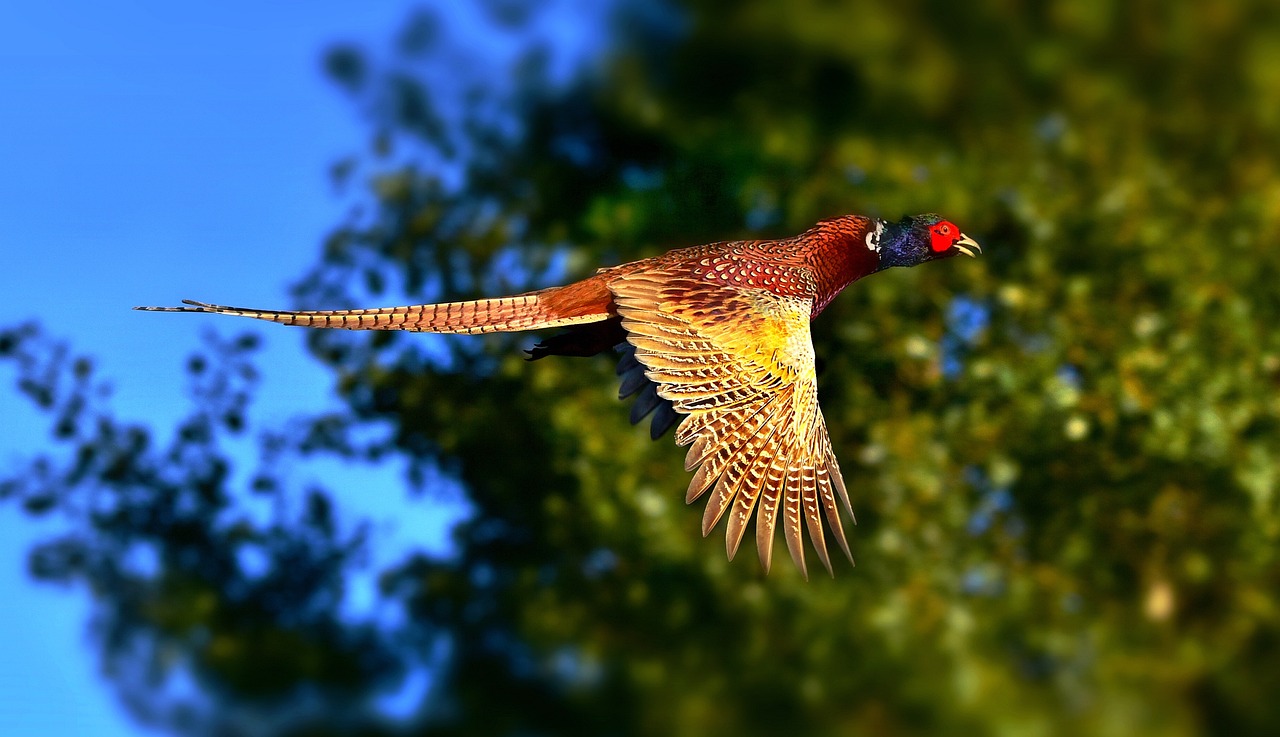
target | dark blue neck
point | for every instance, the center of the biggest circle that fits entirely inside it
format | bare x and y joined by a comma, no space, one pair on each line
898,247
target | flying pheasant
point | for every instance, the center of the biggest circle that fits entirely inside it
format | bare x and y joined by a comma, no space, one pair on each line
717,333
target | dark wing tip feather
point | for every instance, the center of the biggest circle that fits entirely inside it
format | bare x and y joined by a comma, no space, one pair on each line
646,402
663,418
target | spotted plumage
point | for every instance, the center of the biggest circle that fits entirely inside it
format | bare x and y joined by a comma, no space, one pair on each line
714,337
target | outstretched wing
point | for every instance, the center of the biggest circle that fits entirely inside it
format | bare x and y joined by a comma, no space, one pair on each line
739,362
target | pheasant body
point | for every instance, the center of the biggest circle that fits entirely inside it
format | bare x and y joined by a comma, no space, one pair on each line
718,334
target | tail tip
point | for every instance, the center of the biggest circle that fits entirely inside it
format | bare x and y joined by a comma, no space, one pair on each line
194,306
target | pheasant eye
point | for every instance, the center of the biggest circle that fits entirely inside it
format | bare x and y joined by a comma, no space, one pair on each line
942,236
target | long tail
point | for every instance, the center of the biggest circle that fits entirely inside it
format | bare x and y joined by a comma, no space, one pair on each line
582,302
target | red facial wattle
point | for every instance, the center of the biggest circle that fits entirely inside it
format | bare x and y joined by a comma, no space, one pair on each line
943,235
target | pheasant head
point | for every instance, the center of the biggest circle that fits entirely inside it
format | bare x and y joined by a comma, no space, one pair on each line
914,240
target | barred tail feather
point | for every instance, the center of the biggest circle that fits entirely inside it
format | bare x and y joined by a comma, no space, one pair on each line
549,308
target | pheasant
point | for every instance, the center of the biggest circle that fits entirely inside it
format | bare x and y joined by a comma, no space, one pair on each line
717,333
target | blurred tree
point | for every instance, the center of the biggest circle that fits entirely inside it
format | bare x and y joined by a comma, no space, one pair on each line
1063,456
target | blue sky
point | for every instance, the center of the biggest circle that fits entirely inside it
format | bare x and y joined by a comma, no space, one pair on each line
154,151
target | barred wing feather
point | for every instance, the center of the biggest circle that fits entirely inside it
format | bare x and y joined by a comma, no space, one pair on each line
738,362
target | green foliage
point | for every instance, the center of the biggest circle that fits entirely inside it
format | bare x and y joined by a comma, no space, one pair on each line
186,577
1063,455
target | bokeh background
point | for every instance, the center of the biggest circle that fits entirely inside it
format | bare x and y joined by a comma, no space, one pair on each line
1064,455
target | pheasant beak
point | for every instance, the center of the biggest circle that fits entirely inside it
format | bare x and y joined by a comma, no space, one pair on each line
967,246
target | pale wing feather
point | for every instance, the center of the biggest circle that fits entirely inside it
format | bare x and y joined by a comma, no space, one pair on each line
739,363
